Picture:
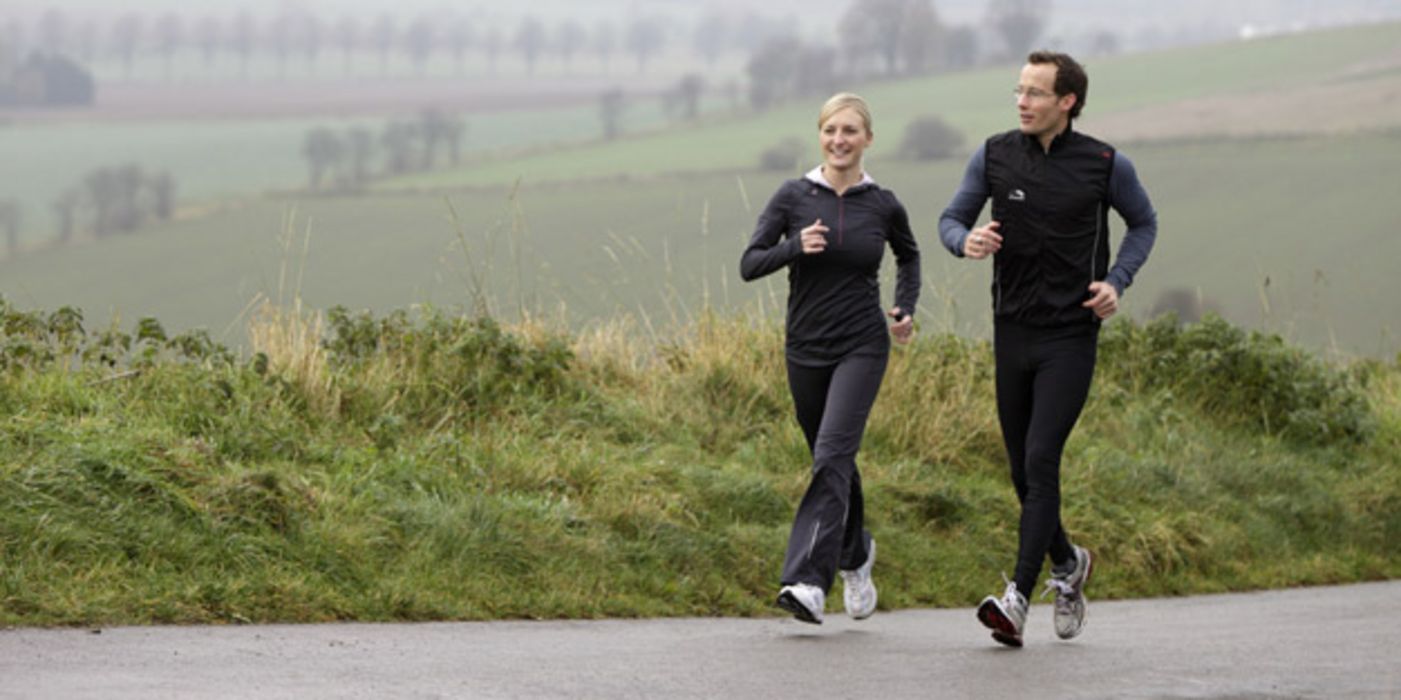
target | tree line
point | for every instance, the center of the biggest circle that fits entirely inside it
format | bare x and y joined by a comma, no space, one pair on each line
113,200
344,160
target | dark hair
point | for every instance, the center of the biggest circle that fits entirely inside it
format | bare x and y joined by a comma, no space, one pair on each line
1070,76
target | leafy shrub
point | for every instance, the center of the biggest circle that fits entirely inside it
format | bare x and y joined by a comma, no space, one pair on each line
782,156
930,138
1239,376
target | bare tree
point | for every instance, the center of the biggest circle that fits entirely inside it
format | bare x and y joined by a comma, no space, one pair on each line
323,151
401,141
346,37
570,39
241,39
382,37
688,92
492,47
815,71
280,29
773,69
419,42
53,30
10,217
709,38
891,31
66,211
310,35
605,43
1020,22
644,40
359,150
126,39
530,41
162,187
207,34
961,47
459,38
170,34
610,111
87,32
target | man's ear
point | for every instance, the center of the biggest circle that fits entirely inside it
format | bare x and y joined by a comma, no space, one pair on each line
1067,101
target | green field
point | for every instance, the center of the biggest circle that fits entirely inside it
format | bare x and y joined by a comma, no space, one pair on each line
1231,214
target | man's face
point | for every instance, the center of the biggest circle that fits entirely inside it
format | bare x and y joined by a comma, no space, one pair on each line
1042,113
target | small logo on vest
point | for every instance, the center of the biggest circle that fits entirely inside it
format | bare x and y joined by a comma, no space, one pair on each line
1017,196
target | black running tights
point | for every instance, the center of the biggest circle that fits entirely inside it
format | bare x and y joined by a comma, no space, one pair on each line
1043,379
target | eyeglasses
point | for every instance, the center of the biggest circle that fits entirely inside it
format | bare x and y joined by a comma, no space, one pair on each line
1031,93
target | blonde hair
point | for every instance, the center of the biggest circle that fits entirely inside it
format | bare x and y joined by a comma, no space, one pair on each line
845,100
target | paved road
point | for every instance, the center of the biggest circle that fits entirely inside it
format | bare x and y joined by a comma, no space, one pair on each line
1335,642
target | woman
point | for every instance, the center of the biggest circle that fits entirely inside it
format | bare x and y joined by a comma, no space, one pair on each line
829,229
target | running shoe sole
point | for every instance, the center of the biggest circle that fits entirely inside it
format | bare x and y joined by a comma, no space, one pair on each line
788,602
1002,628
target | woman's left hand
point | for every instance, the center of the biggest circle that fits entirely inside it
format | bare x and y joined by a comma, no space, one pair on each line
904,326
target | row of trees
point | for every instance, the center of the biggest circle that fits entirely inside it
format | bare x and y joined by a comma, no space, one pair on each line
445,34
344,160
113,200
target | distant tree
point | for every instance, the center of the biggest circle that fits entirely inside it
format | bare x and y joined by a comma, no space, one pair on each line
162,187
242,38
359,146
530,41
930,138
346,37
53,80
86,39
280,31
570,39
710,37
1104,43
921,38
102,192
688,92
130,215
170,35
126,39
207,35
815,71
419,42
66,211
460,37
961,47
401,142
323,151
644,40
382,35
610,111
1187,305
890,31
492,47
1020,22
605,43
310,36
10,217
773,68
54,30
782,156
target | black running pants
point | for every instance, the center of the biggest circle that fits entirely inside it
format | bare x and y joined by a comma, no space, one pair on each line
1043,379
832,404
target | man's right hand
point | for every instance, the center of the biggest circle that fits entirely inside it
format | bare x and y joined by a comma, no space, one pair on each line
983,241
814,238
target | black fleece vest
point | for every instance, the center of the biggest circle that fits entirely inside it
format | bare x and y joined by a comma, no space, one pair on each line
1053,208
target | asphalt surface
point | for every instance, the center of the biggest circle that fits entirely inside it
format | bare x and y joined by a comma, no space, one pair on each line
1328,642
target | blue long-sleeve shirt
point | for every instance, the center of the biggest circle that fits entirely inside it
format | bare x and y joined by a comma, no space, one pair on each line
1126,196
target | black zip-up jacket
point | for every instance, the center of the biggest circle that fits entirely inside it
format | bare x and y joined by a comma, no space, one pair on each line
834,304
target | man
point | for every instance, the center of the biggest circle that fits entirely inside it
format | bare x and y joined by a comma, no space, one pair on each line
1051,189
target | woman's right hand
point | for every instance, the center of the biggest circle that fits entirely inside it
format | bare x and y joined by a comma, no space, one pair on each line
814,238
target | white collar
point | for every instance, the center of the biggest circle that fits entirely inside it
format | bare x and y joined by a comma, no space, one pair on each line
816,177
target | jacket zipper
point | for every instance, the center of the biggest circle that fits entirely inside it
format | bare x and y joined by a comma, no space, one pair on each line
841,218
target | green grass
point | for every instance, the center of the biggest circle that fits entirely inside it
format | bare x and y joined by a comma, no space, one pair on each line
425,467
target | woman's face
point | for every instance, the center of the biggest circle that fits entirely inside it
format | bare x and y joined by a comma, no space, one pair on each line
843,138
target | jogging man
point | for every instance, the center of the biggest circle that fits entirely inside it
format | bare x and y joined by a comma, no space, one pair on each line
1051,189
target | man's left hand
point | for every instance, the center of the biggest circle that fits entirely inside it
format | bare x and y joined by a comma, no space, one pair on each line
1104,299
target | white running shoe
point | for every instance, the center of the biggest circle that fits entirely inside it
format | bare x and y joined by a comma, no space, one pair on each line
1070,595
1005,616
858,591
804,600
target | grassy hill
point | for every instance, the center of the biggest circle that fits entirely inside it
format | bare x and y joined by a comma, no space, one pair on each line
428,466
